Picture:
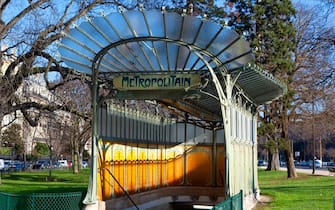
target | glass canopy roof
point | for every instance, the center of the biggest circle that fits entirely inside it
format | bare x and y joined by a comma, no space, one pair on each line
135,41
160,41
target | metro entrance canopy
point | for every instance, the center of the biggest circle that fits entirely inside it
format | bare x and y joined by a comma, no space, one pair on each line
186,62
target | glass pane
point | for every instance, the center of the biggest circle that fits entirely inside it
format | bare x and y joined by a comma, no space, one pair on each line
94,34
77,58
173,25
137,22
191,61
118,58
138,53
119,24
160,47
74,61
225,37
155,21
148,47
190,29
105,26
82,48
84,39
182,57
130,57
207,33
173,52
240,62
237,49
111,60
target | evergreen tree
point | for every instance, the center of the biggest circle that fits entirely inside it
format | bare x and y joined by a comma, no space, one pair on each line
268,25
275,47
235,14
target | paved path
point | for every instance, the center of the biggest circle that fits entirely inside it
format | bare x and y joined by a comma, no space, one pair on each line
319,172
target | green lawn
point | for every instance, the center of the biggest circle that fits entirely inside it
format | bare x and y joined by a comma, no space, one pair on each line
36,182
303,193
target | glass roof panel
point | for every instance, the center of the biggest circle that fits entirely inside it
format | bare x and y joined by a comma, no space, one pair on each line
161,50
93,34
182,57
137,41
78,58
106,27
190,28
155,22
235,51
222,40
149,48
130,57
191,60
83,49
112,60
76,65
239,62
137,22
120,26
173,25
82,38
207,33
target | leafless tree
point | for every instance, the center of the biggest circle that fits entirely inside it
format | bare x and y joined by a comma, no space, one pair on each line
314,72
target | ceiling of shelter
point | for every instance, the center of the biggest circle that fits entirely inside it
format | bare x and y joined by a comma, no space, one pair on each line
146,42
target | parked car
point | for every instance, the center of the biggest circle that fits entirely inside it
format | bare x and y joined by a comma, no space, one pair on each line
84,164
262,163
304,163
318,164
7,164
282,163
63,163
41,164
2,164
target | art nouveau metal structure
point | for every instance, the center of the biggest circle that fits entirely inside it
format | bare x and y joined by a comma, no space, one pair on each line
181,62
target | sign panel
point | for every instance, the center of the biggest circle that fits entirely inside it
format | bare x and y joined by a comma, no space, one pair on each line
156,81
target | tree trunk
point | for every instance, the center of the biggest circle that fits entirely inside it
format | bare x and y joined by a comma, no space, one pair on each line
273,161
291,173
75,161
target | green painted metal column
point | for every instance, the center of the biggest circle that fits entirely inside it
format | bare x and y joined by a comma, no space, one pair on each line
91,196
225,104
226,112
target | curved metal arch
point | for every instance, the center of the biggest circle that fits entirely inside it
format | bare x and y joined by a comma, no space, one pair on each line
99,56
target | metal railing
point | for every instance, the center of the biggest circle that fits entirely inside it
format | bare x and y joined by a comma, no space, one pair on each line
39,201
233,203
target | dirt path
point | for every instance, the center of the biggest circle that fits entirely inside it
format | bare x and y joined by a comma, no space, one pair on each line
262,202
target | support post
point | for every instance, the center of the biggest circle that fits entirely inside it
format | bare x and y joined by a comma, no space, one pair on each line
224,100
185,150
226,113
214,155
91,196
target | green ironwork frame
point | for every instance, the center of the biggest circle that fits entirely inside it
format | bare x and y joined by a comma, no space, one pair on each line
39,201
232,203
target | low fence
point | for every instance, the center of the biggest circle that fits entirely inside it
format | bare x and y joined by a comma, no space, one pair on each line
233,203
39,201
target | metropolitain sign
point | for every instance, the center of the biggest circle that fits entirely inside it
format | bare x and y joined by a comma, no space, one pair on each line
156,81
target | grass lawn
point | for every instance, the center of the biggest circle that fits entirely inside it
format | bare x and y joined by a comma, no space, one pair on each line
36,182
303,193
